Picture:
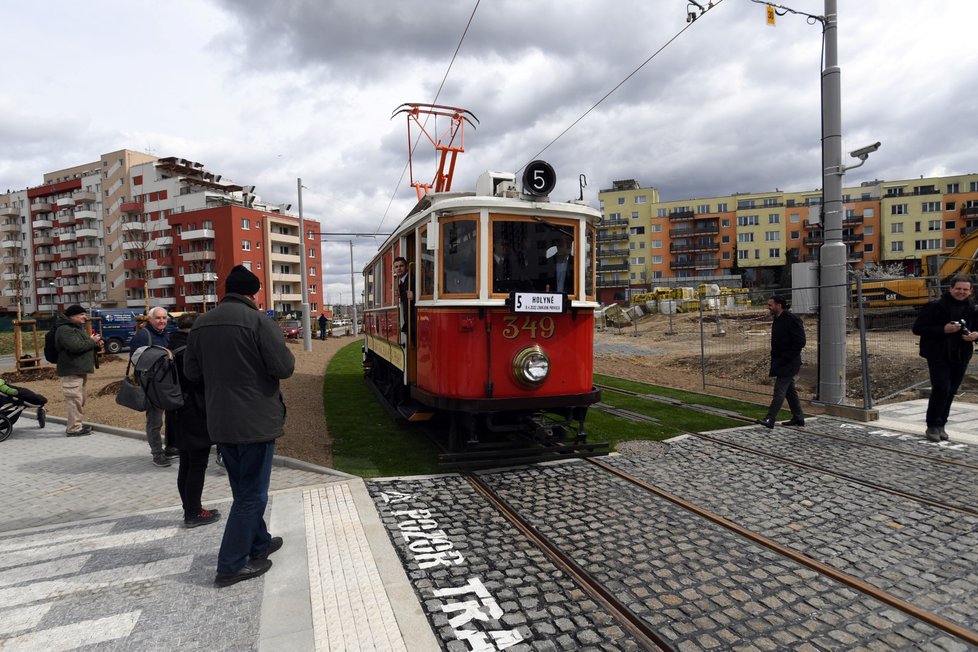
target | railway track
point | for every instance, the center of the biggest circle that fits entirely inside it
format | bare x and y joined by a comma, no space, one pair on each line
959,466
637,624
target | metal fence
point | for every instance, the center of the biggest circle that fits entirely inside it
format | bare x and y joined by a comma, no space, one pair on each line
881,350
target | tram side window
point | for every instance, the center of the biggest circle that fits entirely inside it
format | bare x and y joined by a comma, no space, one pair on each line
427,265
459,247
532,257
589,263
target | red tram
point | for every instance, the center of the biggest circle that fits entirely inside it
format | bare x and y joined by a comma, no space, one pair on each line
500,334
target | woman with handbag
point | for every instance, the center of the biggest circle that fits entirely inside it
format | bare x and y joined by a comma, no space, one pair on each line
186,429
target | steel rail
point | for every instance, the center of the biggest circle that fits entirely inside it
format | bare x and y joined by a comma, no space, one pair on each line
630,621
932,619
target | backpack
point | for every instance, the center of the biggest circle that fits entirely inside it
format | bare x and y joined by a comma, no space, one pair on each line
51,346
156,372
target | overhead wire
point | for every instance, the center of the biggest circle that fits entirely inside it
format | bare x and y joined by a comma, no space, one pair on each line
435,101
689,24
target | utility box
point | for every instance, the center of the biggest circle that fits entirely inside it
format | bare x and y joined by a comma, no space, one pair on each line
804,288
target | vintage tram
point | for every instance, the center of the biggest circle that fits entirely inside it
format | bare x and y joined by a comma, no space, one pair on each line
499,335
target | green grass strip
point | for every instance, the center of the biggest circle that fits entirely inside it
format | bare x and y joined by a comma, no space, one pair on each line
366,440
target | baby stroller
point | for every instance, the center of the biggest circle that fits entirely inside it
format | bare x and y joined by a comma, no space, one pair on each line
11,407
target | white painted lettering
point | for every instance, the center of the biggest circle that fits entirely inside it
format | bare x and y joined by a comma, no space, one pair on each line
486,609
444,558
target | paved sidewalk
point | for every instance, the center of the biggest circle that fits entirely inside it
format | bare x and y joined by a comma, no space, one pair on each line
909,416
93,553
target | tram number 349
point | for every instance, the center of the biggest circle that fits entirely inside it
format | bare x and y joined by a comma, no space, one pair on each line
516,324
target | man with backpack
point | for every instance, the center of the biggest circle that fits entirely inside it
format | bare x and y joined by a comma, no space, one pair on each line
77,356
154,334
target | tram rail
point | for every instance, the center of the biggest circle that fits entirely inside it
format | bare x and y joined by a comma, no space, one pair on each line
963,509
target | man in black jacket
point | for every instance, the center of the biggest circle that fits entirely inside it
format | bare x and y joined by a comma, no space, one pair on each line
948,329
787,341
240,355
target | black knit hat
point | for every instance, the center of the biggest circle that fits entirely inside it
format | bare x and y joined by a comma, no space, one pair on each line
242,281
74,309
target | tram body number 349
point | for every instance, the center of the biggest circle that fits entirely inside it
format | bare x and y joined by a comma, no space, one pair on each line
516,324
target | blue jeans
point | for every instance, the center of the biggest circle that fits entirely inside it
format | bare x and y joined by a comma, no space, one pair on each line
945,379
784,387
249,468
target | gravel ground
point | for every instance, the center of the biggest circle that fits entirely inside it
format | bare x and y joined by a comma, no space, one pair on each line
306,436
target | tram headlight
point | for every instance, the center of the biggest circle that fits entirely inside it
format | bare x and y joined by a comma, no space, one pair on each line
531,366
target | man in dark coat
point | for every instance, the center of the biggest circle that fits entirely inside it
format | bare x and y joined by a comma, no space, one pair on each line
323,323
948,329
77,357
240,355
787,341
405,292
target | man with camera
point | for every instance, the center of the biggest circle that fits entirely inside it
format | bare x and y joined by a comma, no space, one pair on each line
948,329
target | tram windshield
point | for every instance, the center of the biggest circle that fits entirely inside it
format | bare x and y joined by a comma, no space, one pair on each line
532,257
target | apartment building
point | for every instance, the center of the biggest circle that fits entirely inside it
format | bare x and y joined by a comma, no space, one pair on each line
134,230
643,242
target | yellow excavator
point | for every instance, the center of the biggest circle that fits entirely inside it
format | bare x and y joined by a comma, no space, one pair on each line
915,292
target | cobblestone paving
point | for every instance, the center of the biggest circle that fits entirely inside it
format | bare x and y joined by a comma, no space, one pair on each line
137,583
930,478
919,553
475,573
700,586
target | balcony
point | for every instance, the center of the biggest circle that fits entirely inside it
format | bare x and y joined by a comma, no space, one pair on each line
131,207
196,256
44,240
10,226
608,237
969,211
161,242
612,283
813,240
700,246
43,258
45,273
67,236
9,211
200,298
287,297
66,219
692,233
286,278
612,253
161,282
86,232
84,214
283,238
65,202
854,219
199,278
42,224
47,290
83,196
9,276
86,251
681,215
609,223
198,234
695,263
281,258
89,269
604,269
10,244
41,207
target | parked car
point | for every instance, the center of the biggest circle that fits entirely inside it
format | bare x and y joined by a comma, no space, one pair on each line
291,328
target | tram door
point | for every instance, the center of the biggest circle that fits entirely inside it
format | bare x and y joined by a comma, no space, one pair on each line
411,317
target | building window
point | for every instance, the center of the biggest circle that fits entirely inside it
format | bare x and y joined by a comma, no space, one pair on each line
722,207
926,245
896,246
950,205
637,230
748,220
774,253
621,201
868,230
657,244
245,223
896,227
634,215
656,260
795,235
725,255
656,228
660,212
930,207
934,225
953,188
745,237
898,209
949,244
725,223
773,218
771,236
703,208
743,254
641,199
868,247
725,239
246,245
868,212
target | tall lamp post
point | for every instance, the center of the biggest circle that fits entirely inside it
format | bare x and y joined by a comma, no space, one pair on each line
307,325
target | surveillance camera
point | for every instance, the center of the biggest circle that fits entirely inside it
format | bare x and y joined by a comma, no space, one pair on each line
864,152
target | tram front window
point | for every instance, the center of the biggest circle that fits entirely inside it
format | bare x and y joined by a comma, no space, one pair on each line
532,257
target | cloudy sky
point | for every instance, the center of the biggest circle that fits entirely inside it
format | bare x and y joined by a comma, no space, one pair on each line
265,92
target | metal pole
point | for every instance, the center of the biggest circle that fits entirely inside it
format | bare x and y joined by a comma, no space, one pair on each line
353,292
863,352
306,322
832,294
